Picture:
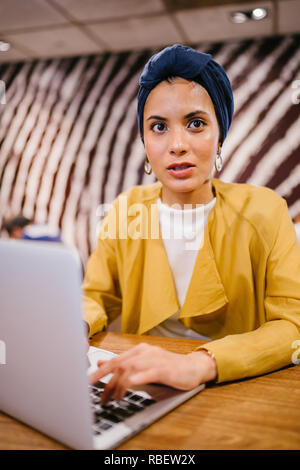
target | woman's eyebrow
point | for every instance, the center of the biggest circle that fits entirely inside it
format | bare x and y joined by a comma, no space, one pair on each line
195,113
160,118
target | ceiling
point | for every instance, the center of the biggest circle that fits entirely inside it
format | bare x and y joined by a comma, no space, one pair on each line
61,28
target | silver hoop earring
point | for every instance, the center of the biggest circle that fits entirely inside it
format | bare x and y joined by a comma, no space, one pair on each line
218,161
147,167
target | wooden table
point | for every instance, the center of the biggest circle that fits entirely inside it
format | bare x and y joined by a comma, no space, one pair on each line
257,413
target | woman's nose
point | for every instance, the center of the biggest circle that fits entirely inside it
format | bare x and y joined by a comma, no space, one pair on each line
177,144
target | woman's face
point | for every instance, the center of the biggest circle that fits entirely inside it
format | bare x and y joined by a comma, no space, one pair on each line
181,136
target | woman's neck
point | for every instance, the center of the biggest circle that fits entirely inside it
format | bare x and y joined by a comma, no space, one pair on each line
202,195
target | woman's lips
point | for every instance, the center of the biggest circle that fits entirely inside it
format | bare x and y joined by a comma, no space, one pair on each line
182,170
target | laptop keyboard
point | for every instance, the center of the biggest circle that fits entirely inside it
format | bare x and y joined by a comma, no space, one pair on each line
115,411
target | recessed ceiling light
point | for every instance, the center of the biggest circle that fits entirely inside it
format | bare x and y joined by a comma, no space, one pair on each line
4,46
256,14
238,17
259,13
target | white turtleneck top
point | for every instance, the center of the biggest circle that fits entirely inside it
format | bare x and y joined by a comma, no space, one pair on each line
182,233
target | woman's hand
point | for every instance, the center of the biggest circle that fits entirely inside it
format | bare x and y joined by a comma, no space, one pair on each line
144,364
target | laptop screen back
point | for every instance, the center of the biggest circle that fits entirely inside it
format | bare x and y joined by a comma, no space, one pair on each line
44,378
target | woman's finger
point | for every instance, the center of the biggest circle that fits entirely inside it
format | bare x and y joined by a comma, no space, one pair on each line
117,386
103,370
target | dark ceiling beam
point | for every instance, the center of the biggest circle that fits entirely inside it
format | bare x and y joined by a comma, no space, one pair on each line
175,5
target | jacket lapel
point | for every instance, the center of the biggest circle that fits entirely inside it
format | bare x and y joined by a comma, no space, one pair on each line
206,292
159,297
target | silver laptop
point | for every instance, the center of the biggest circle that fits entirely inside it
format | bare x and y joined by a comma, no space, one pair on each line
44,371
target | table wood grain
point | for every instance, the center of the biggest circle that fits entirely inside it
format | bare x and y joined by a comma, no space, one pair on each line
256,413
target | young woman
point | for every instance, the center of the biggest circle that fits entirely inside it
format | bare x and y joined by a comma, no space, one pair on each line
231,276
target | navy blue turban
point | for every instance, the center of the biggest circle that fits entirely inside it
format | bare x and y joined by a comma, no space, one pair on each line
185,62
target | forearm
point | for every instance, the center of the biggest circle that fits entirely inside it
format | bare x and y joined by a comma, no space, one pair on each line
263,350
205,365
101,291
94,314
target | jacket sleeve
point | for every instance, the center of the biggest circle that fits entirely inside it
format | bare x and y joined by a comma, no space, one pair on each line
272,345
102,300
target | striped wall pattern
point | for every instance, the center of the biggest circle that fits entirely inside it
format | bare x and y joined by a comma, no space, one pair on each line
69,139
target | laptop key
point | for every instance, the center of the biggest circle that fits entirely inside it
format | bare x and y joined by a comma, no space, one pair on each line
98,412
105,426
148,402
114,418
108,406
124,403
135,398
134,408
109,417
99,385
123,413
95,400
120,408
96,429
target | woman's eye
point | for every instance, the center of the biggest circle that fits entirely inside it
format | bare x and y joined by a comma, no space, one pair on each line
196,124
158,127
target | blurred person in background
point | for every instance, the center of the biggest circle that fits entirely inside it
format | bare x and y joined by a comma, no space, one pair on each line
15,226
22,228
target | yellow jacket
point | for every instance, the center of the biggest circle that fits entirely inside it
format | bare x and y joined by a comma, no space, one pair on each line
245,288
